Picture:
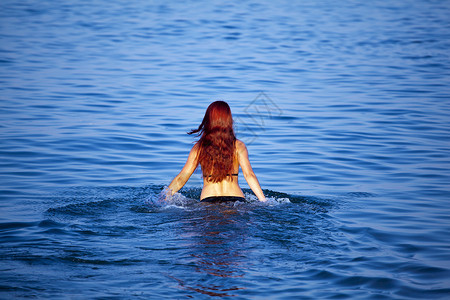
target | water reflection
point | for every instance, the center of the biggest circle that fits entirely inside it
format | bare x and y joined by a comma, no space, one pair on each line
215,239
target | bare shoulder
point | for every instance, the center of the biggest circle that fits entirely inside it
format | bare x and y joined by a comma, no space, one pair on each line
196,146
195,149
240,146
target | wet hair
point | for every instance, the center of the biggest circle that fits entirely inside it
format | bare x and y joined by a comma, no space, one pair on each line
217,142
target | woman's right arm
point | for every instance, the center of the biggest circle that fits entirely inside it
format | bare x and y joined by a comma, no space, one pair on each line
247,170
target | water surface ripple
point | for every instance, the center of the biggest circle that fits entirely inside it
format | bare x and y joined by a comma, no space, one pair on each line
344,109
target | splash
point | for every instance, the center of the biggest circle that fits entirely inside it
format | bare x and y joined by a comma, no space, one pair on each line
271,201
165,199
190,198
277,201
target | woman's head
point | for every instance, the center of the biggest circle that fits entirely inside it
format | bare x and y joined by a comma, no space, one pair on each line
217,141
217,118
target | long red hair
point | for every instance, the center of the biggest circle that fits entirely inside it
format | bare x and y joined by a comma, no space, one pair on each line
217,142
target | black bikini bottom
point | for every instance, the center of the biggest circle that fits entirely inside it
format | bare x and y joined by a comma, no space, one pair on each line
223,199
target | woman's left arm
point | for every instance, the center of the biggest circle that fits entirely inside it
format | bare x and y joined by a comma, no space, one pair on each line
180,180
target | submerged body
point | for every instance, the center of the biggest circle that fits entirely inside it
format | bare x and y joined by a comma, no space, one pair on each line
221,199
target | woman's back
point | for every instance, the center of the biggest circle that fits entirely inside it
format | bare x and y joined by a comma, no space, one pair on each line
229,186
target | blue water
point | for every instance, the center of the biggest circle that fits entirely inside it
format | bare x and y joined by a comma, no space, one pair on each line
345,110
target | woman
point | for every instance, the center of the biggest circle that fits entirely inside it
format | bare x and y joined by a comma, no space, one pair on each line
219,154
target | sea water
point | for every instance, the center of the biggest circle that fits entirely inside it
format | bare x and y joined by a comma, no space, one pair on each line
344,108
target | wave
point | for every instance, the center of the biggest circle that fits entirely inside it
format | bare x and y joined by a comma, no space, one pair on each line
98,202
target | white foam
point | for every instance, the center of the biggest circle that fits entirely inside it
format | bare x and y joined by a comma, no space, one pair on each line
165,199
271,201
